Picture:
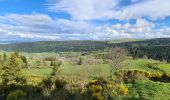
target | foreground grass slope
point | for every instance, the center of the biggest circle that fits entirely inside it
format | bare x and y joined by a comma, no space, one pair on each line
148,90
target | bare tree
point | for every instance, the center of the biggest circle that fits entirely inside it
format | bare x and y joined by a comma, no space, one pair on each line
116,57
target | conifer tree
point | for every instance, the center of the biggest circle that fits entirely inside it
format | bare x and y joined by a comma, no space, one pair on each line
11,68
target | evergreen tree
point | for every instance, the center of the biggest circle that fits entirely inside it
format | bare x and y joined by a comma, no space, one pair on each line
4,57
24,59
52,63
56,67
11,68
80,62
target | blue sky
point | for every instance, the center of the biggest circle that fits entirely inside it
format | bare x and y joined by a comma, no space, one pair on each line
37,20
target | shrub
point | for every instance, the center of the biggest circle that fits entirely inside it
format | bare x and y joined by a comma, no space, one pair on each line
60,84
46,86
89,60
121,89
99,89
97,96
132,75
17,95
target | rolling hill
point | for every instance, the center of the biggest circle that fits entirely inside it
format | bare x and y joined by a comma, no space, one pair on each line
81,46
158,48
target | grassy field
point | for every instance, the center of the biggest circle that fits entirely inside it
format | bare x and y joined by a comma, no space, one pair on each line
140,64
81,72
37,71
149,90
100,69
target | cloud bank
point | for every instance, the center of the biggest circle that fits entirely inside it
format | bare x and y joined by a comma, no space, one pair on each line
111,9
89,20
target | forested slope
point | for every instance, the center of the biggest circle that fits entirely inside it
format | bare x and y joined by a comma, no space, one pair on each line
84,46
153,48
56,46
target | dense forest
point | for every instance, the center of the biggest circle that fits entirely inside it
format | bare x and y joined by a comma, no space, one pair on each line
158,49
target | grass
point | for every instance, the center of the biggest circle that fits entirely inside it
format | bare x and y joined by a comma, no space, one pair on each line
148,90
75,72
165,67
142,64
100,69
37,71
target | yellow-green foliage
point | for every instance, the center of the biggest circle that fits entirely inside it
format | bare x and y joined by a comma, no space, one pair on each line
17,95
129,75
34,80
101,89
121,89
73,87
97,96
11,68
94,92
95,89
167,74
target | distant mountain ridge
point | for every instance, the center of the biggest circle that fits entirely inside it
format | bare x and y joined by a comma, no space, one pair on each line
124,40
80,46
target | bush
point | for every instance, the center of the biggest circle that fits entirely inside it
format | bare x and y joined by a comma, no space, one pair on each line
89,60
17,95
97,96
121,89
132,75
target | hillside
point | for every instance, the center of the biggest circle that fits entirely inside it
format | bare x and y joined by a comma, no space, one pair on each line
56,46
123,40
80,46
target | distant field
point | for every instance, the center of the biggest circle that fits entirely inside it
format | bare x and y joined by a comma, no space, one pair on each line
37,71
72,71
87,71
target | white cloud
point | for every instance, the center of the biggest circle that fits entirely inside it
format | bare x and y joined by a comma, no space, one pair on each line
34,36
110,9
42,27
150,8
141,29
35,25
84,9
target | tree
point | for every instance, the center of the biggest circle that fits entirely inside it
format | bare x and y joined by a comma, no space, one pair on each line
1,64
52,63
24,59
56,67
11,69
80,62
0,69
4,59
116,57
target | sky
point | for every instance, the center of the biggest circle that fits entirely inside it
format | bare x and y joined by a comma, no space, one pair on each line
50,20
